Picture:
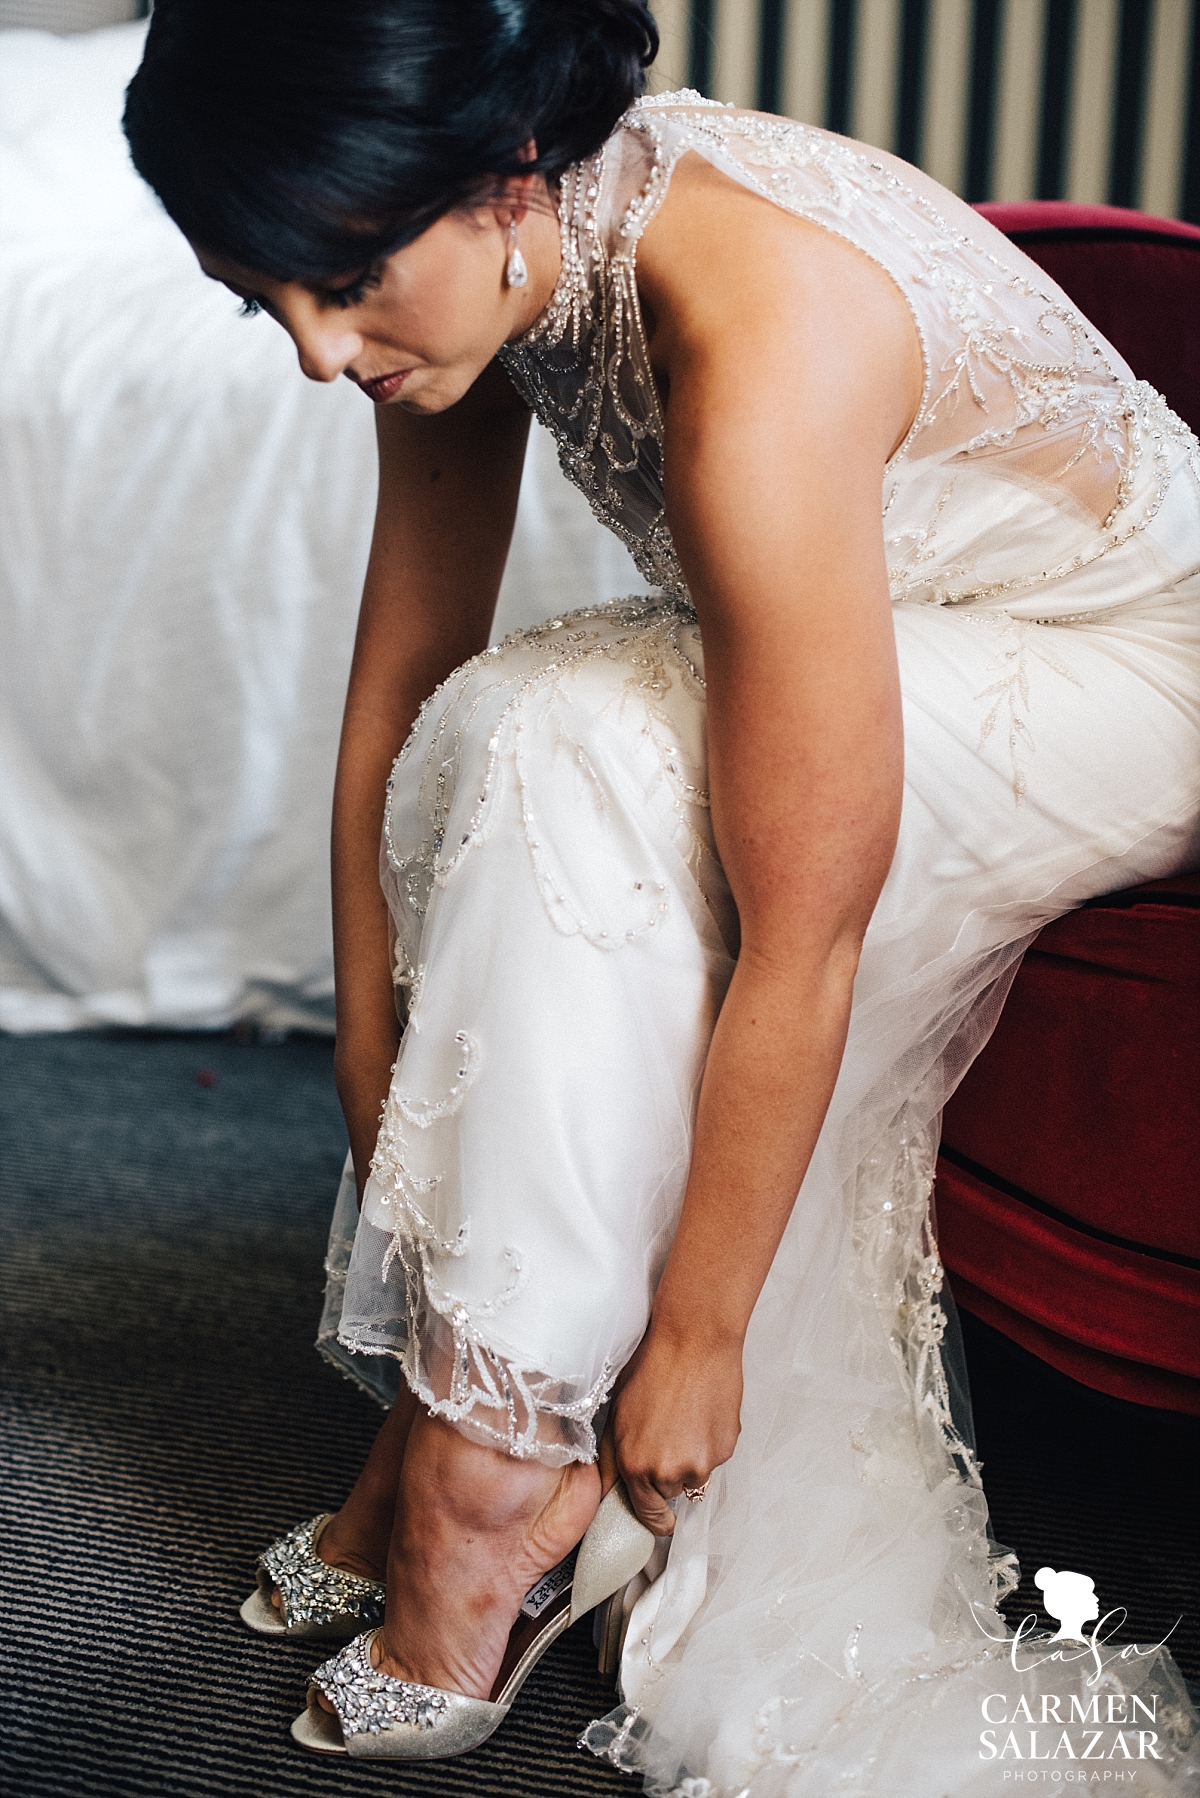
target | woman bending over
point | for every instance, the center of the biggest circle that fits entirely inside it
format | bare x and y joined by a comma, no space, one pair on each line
697,904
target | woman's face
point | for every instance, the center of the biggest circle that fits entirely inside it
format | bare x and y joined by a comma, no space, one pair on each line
417,330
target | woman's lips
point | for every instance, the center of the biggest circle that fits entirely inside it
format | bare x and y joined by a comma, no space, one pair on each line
385,386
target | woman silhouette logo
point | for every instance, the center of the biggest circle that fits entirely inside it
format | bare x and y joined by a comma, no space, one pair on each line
1071,1597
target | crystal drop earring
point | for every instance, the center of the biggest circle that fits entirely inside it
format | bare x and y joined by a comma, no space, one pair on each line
515,272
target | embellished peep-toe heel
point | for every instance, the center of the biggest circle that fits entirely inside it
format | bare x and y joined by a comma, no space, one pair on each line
377,1716
320,1603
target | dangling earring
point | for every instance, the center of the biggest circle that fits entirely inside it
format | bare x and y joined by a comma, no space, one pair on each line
515,273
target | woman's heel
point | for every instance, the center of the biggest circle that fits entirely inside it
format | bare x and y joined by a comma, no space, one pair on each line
396,1719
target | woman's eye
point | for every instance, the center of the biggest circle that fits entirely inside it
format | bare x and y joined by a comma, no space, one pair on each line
356,291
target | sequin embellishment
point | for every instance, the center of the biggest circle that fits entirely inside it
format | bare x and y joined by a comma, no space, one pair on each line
368,1701
311,1590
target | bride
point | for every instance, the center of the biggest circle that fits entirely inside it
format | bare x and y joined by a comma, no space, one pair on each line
696,906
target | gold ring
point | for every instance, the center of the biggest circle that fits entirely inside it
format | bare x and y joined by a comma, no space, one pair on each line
694,1494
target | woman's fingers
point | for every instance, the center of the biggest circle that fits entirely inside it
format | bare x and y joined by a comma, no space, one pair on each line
610,1473
674,1418
649,1505
651,1496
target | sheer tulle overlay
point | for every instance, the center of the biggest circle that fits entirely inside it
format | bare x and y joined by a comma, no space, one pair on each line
825,1620
550,870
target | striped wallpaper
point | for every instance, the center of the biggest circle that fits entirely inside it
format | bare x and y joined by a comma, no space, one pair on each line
998,99
1094,100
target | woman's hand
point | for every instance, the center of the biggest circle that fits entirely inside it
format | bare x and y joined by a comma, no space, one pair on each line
675,1417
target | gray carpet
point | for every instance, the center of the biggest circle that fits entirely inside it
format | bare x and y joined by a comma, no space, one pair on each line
1078,1480
165,1416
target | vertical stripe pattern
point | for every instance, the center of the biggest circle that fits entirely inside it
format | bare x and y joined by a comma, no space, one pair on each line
910,88
1058,48
1014,164
1130,103
1191,155
1089,100
981,114
840,69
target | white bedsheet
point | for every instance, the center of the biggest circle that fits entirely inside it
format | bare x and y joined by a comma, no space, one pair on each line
184,522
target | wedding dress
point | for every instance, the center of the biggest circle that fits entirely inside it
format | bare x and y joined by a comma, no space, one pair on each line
823,1621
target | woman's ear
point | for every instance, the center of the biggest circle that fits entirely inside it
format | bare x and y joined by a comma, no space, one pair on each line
515,189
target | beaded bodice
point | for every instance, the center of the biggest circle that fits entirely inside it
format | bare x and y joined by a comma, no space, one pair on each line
584,367
1034,451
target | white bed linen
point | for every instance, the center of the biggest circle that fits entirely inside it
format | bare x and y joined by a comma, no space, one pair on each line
184,523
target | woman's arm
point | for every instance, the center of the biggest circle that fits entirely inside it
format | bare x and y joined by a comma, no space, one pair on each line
448,486
793,370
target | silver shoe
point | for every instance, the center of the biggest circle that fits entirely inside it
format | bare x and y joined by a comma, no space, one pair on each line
393,1719
320,1602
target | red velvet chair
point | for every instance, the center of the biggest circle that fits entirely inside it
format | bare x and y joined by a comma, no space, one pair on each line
1070,1168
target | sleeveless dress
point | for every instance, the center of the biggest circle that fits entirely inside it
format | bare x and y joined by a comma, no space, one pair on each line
824,1622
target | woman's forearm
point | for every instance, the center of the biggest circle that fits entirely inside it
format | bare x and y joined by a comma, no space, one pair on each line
368,1029
448,488
769,1075
771,1069
372,736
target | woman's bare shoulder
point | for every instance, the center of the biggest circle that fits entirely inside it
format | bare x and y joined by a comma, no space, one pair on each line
721,268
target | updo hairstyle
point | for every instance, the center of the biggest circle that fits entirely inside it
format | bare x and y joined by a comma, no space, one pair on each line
308,138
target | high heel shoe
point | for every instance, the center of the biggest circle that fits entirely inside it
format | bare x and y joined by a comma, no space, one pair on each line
394,1719
319,1602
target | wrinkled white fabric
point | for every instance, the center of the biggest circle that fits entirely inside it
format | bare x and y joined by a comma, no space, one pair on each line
823,1620
184,525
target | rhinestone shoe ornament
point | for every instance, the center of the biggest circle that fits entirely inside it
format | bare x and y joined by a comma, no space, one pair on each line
393,1719
368,1701
319,1601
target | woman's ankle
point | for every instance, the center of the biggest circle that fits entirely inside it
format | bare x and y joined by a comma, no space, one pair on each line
357,1542
356,1538
475,1530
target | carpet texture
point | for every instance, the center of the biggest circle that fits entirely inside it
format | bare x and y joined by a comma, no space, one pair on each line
165,1204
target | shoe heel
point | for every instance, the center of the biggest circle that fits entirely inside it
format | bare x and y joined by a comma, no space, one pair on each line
616,1547
610,1635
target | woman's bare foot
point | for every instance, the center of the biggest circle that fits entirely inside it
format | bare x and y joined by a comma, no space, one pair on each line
475,1529
357,1537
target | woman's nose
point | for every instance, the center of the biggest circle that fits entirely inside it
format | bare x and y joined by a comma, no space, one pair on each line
325,347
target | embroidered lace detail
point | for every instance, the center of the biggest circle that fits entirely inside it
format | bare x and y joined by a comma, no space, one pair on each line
659,640
616,1738
782,1744
584,369
1124,423
897,1264
367,1701
456,1369
470,747
1019,390
1022,640
450,1358
313,1592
